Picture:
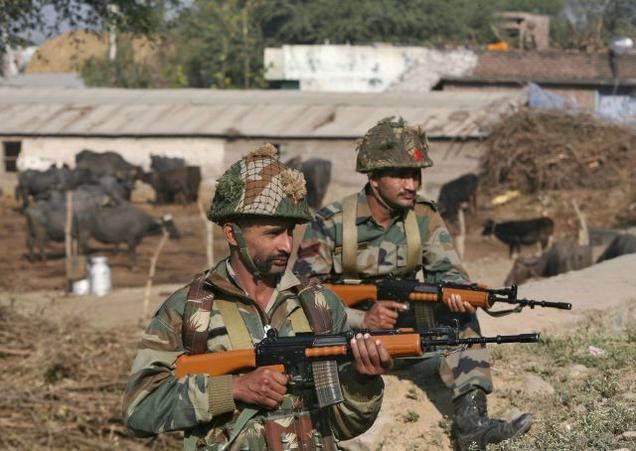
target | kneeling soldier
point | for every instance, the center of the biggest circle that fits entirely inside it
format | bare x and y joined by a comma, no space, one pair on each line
257,203
388,231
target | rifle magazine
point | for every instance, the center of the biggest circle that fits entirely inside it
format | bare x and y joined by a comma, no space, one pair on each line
327,383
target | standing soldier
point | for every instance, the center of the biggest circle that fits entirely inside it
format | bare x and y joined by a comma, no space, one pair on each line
258,202
387,230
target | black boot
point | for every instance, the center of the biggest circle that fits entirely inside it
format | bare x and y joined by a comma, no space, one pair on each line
473,430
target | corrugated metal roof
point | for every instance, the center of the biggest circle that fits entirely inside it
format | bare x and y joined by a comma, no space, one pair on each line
258,114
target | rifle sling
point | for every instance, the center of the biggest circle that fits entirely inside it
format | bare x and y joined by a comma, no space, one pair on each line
500,313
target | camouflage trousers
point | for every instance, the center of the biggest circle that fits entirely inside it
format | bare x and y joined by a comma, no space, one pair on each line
460,369
463,370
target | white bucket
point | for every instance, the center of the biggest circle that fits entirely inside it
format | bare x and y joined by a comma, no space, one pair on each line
81,287
100,276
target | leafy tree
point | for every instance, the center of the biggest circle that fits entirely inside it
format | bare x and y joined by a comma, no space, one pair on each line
220,45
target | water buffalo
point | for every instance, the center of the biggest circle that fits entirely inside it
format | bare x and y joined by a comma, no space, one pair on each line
621,245
457,193
101,164
175,185
516,233
563,256
161,164
46,219
39,183
125,224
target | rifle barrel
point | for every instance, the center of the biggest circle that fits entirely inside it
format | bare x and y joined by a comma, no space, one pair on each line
521,338
532,303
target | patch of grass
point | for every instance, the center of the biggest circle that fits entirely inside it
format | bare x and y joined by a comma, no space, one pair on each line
588,411
410,416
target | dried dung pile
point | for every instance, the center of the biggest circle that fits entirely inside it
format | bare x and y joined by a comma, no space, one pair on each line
61,387
536,150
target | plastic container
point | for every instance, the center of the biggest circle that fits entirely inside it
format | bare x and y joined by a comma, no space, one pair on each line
100,276
81,287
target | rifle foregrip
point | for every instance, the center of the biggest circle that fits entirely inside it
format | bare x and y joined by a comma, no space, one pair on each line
476,298
402,345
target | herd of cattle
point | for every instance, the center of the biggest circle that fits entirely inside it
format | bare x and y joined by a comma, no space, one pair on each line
101,186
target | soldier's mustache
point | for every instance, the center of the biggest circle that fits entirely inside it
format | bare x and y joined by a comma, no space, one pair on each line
280,255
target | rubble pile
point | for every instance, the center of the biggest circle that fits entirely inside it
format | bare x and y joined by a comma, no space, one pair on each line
61,386
537,150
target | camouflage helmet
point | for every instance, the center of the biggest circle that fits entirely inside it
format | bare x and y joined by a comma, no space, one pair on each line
260,185
393,144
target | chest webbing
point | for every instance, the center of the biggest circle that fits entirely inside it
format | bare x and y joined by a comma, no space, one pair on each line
350,239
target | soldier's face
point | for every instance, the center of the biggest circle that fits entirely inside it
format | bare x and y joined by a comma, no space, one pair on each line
398,187
269,242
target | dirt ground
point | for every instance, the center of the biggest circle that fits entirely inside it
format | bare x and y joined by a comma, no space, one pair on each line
413,415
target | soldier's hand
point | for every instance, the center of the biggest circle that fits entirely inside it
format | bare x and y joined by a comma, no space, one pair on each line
371,358
382,315
457,305
263,387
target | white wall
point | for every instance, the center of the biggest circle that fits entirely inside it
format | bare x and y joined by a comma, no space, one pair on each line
205,152
370,68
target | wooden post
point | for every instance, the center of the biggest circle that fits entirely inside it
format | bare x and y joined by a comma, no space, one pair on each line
68,245
151,272
461,238
209,237
584,234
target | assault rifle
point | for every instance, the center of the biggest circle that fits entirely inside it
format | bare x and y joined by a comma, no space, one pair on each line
353,292
324,352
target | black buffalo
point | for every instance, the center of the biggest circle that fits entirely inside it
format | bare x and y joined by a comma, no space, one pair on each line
516,233
456,194
46,219
124,224
175,185
563,256
161,164
620,245
100,164
39,183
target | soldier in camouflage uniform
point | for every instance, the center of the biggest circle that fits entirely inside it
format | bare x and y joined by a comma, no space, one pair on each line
392,232
257,203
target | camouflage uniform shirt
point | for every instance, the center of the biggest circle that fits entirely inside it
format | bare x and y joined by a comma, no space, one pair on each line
203,406
383,252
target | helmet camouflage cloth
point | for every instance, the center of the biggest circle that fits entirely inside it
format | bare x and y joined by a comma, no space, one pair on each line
393,144
260,185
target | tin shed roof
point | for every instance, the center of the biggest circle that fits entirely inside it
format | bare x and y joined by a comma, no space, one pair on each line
251,114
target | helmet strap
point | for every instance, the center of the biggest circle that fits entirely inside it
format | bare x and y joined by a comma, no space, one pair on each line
380,199
244,255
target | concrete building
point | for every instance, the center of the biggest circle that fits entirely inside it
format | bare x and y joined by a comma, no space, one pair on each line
213,128
363,68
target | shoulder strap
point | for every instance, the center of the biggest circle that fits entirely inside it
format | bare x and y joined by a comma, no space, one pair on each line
240,337
196,316
413,241
350,236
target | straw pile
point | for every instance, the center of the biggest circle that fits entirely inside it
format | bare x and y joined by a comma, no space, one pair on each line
61,386
535,150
